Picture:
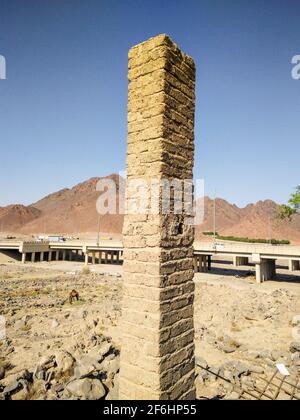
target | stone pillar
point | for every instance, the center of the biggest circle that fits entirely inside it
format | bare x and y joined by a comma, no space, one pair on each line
57,255
157,353
64,255
33,257
41,256
23,258
86,258
49,256
93,258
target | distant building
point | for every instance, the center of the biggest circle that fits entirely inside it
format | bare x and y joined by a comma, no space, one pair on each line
56,238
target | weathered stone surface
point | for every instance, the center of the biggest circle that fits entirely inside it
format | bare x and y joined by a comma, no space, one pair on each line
114,393
87,389
295,347
65,362
2,372
157,357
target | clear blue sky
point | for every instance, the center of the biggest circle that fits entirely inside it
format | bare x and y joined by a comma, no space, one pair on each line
63,105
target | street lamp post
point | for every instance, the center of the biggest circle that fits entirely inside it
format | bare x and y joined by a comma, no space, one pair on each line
98,231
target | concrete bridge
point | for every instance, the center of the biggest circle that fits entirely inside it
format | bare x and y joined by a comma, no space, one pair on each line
33,251
263,256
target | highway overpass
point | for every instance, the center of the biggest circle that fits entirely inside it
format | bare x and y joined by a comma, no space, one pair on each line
264,256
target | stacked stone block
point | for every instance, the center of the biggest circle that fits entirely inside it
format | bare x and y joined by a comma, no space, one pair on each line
157,355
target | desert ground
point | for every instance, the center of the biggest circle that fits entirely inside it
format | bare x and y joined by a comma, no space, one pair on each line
53,349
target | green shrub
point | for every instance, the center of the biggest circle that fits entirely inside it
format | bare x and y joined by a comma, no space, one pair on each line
85,270
253,241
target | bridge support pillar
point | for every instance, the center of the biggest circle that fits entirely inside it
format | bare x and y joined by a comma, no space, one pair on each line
57,255
49,256
33,257
196,264
23,258
238,261
86,258
202,263
93,258
42,256
265,270
294,265
209,262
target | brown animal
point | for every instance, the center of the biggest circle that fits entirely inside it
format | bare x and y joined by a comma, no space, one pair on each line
73,295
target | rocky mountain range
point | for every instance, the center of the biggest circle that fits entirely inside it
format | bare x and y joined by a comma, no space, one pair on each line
73,211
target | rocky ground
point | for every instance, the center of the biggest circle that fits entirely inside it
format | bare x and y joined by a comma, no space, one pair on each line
57,350
243,330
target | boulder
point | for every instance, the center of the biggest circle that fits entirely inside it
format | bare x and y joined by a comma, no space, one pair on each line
236,368
256,369
88,364
295,321
199,361
20,395
20,324
228,344
26,318
86,389
265,354
13,386
54,323
80,314
46,362
295,347
65,362
111,367
113,394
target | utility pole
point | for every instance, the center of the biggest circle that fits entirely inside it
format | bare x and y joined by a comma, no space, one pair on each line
270,230
214,217
98,231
